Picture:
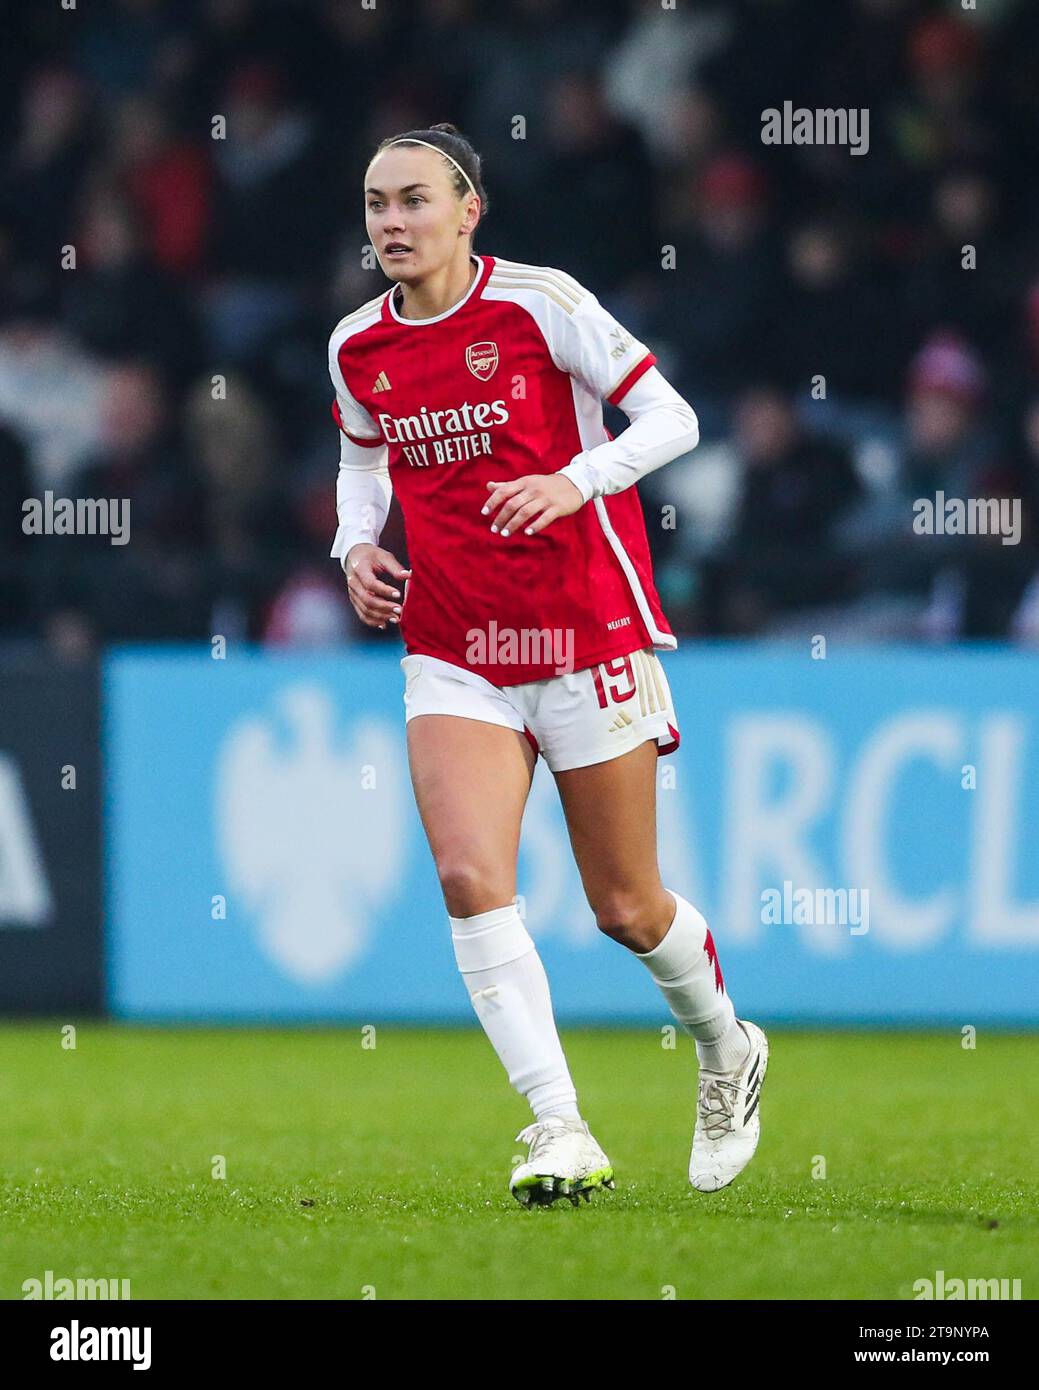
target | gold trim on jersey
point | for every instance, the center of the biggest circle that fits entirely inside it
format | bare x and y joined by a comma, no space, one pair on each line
555,285
540,272
541,286
567,286
358,313
626,373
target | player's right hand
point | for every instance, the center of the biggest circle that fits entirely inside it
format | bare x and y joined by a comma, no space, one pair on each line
375,602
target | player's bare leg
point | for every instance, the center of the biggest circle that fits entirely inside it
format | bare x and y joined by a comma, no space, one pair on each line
471,783
611,814
610,810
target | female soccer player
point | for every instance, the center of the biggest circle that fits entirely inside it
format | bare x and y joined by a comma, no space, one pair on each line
473,387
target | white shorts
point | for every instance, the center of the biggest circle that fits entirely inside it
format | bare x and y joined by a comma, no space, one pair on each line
572,720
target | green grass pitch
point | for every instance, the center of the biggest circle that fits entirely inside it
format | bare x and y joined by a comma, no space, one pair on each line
355,1172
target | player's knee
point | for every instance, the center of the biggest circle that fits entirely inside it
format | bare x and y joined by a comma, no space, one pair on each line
468,886
625,917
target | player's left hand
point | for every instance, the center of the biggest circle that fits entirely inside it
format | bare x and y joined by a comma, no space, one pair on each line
531,503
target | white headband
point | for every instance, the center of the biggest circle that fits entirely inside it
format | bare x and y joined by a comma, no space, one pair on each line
410,140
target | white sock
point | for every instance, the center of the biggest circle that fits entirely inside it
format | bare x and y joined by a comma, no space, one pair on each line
509,991
685,967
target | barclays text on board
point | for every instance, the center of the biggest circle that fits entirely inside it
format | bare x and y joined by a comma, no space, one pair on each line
862,833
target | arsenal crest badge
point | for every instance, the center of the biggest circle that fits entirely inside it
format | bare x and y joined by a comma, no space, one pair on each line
482,360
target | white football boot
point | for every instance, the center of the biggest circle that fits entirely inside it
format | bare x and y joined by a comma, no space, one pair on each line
728,1117
564,1161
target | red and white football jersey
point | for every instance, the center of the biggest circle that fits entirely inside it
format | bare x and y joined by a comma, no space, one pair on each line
508,381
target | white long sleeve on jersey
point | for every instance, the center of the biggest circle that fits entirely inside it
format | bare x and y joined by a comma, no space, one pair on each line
363,487
363,495
663,426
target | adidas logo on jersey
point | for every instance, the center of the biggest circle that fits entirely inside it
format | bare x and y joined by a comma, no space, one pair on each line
382,383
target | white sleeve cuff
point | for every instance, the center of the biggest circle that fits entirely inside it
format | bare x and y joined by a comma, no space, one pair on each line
663,427
363,495
582,475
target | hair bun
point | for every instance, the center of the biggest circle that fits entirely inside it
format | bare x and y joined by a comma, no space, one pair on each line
447,128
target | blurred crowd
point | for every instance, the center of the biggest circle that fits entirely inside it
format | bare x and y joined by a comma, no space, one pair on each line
181,226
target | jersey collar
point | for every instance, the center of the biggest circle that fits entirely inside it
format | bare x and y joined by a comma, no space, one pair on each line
483,264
